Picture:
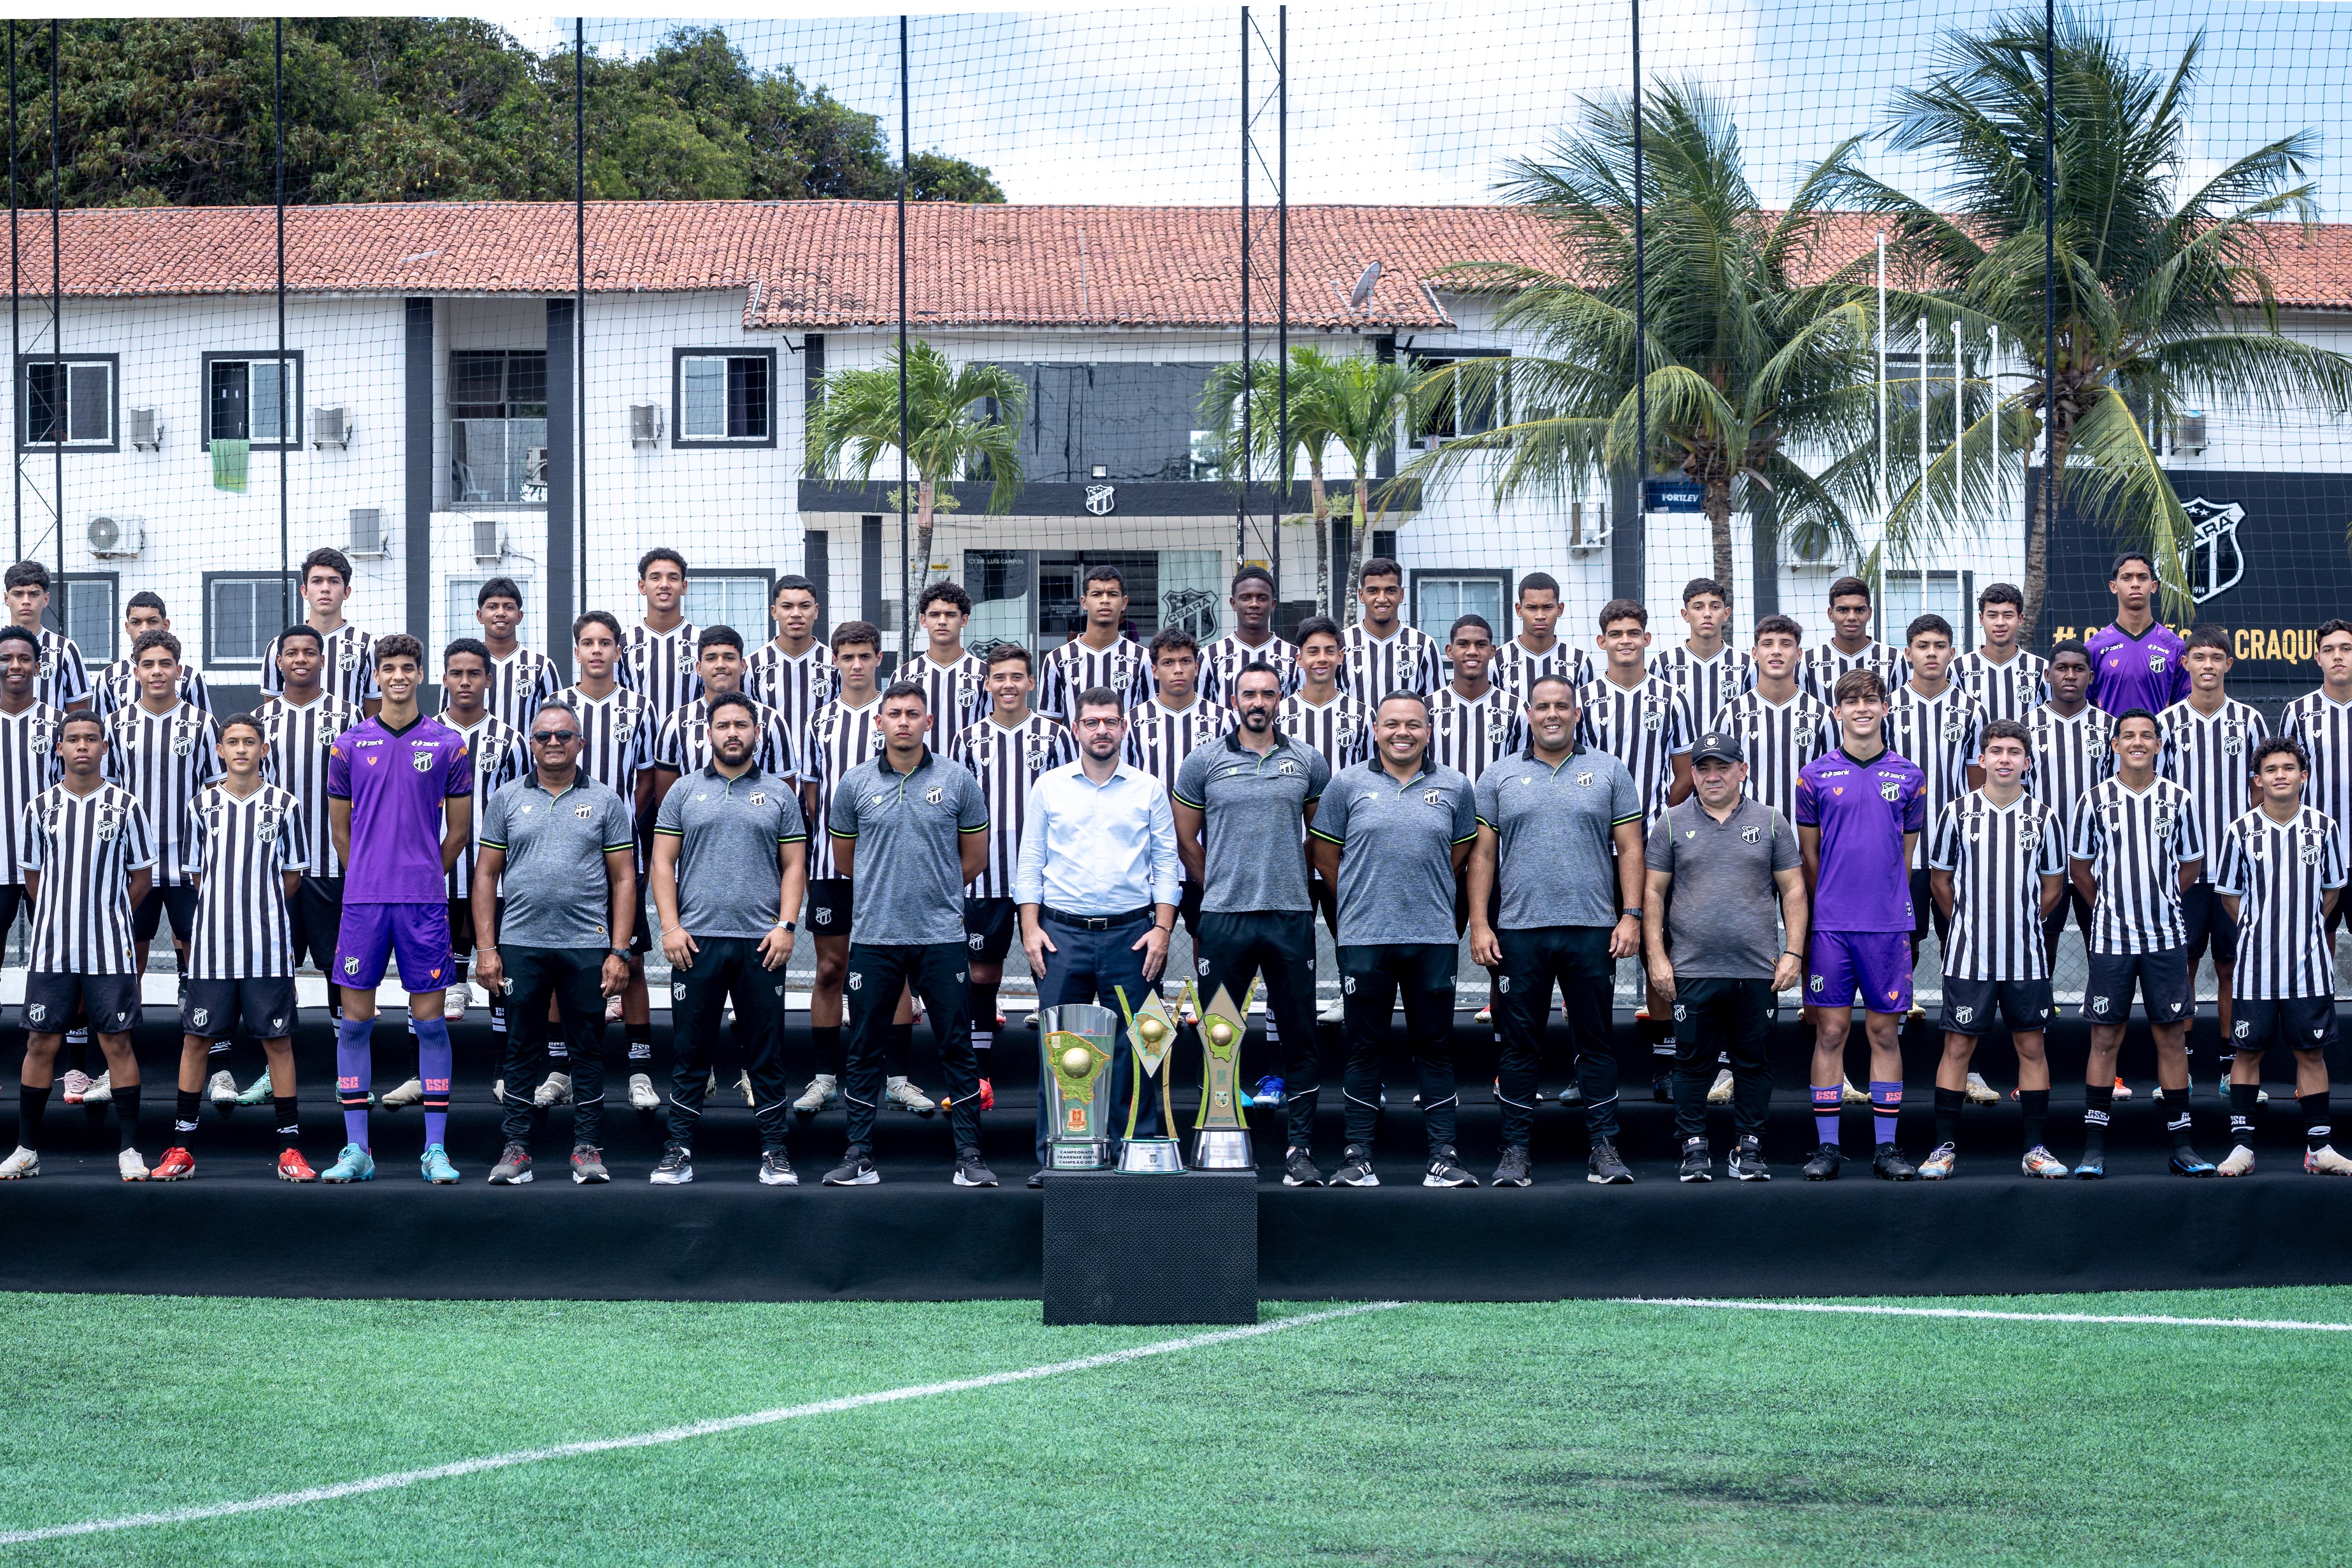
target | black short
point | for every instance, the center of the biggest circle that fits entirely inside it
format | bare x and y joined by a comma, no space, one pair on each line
2293,1022
1968,1004
179,903
2164,987
1924,912
461,925
2207,920
318,915
988,927
1188,908
12,898
52,999
214,1008
829,906
1462,905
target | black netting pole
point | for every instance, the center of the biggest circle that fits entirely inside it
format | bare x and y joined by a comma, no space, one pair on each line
56,312
16,302
2047,521
579,303
1641,298
288,409
1281,280
905,145
1241,506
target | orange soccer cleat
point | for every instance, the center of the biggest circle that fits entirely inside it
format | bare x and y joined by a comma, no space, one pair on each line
176,1165
292,1167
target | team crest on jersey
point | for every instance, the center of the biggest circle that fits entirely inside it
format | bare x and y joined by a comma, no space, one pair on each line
1964,1015
1956,728
350,660
40,735
265,826
48,666
1037,754
1347,731
350,967
2163,823
184,741
2234,739
2029,837
933,797
1584,780
1654,713
825,917
1286,769
2311,848
678,992
35,1012
856,981
1432,797
2099,1005
109,823
1682,1013
759,797
1891,790
686,664
421,761
581,811
1347,984
974,942
2156,663
1821,983
2242,1030
1752,835
1502,984
200,1017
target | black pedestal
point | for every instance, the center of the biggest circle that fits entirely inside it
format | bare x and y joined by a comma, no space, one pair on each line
1151,1249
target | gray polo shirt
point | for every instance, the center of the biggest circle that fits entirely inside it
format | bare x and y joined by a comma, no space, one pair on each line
1396,851
729,832
908,831
1723,913
554,889
1554,858
1251,808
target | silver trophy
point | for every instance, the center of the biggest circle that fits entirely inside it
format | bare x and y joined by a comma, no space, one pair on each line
1079,1042
1151,1033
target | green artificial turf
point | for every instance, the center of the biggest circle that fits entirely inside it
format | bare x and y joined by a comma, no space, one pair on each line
1570,1433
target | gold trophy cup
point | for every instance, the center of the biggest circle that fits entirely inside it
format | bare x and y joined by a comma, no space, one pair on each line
1151,1034
1221,1141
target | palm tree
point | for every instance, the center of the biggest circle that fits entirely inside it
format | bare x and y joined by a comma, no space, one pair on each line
857,417
2163,301
1744,363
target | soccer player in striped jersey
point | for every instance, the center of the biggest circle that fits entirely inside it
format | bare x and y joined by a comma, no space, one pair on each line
1005,751
162,750
2135,847
1472,723
2135,661
1851,647
792,672
1101,654
118,686
468,675
243,848
348,654
301,723
1163,728
1705,669
89,853
28,760
2282,867
2321,721
2001,674
1383,654
1252,640
684,745
1537,650
1780,725
1939,728
1997,863
618,730
520,678
954,682
1333,724
64,681
2073,748
656,658
2208,737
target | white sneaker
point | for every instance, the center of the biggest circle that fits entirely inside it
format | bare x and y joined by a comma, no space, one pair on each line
76,1084
900,1092
1854,1096
221,1089
407,1094
743,1082
21,1164
499,1092
476,996
2322,1161
101,1090
556,1090
641,1092
823,1093
1485,1015
453,1004
1980,1092
1719,1091
2239,1161
1331,1012
133,1167
612,1009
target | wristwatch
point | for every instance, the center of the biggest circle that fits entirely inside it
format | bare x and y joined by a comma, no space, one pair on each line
787,925
621,953
1630,914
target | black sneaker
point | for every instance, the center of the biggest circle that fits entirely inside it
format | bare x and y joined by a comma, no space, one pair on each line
675,1168
1606,1169
1037,1178
1445,1170
1299,1170
1748,1162
1355,1168
513,1169
856,1170
588,1166
1823,1165
1511,1170
1696,1164
971,1172
1889,1165
776,1170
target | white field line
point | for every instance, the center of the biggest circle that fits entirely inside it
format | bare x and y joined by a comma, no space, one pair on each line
667,1434
1858,1310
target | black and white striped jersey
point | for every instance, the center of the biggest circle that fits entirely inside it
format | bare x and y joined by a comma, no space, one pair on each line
1222,661
1778,739
1706,684
1468,734
500,756
684,744
300,741
1074,666
63,679
617,734
1823,663
164,760
2136,841
2070,755
2278,871
2208,756
659,666
2005,691
2325,730
243,849
85,847
1159,739
28,764
349,671
1645,726
1517,670
1998,856
1341,729
519,683
794,687
954,695
118,687
1006,759
1371,667
840,739
1941,735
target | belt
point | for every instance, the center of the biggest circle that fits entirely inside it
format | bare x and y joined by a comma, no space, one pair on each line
1093,923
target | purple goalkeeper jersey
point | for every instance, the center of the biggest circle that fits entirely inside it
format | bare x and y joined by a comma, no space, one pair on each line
397,781
2143,671
1863,810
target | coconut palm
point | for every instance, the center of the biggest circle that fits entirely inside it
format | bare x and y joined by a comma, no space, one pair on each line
857,420
2163,299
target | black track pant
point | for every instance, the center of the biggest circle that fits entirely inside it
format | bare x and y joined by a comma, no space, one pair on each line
1235,949
938,972
1734,1016
1370,979
573,977
1576,959
726,969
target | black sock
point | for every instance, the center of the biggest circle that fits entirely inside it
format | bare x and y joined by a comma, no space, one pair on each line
32,1104
827,1040
641,1043
498,1016
2177,1123
1947,1113
983,1024
2097,1098
289,1121
900,1046
2245,1100
2035,1105
126,1113
2316,1129
184,1116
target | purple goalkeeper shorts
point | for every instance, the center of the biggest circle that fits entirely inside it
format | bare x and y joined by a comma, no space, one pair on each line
370,933
1875,965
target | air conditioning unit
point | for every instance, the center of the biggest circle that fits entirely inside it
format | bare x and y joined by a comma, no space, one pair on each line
644,425
534,466
329,429
2188,434
146,431
1588,525
490,537
116,537
369,541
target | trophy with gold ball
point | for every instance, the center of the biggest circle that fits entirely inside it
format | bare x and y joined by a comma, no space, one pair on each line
1078,1041
1222,1139
1151,1034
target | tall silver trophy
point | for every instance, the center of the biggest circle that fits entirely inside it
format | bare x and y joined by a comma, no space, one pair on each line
1079,1042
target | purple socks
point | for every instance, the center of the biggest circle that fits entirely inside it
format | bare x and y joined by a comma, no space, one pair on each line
353,1070
1825,1112
435,1063
1885,1104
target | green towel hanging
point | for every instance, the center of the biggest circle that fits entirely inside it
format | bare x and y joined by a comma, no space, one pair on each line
229,463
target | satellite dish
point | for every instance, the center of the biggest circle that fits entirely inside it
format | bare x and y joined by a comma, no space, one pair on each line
1361,295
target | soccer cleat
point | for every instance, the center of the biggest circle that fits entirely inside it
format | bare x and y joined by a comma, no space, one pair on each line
292,1167
513,1169
555,1091
2122,1092
1269,1092
133,1167
1937,1166
1823,1165
1719,1091
743,1086
1698,1166
2093,1168
612,1009
1036,1179
1355,1168
856,1170
588,1166
1888,1164
2040,1162
710,1085
2189,1163
987,1094
176,1165
823,1093
435,1167
2238,1161
971,1171
1849,1095
1603,1168
24,1163
221,1089
101,1090
1980,1092
675,1168
407,1094
1573,1094
641,1092
1914,1014
1747,1162
353,1165
77,1084
258,1091
900,1092
1299,1170
1445,1170
1331,1012
2324,1160
1483,1016
776,1170
1511,1170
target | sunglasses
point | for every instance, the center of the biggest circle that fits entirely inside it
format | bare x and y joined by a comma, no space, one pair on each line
557,736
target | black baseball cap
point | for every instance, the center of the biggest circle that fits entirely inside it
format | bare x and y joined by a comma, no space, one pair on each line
1718,745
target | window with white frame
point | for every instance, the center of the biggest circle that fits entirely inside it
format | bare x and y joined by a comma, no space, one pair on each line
498,426
737,599
68,403
242,610
87,613
254,398
722,399
1904,596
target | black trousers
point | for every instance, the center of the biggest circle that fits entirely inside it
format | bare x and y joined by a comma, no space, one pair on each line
726,969
1235,949
1370,979
1734,1016
938,974
1576,959
573,977
317,915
